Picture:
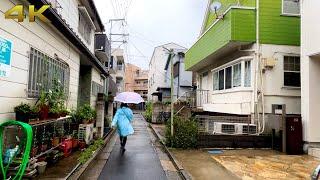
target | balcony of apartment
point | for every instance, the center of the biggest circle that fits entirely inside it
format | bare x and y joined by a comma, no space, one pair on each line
141,75
102,49
235,28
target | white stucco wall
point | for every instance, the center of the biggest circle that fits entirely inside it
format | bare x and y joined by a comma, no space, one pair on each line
310,70
70,12
38,35
157,76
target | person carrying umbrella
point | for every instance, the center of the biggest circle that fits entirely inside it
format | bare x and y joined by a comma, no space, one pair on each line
124,116
122,120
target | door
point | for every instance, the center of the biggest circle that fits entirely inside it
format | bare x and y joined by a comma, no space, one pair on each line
294,135
202,93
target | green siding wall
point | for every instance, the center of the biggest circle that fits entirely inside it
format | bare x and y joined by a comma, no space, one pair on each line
216,37
243,25
225,5
238,25
276,28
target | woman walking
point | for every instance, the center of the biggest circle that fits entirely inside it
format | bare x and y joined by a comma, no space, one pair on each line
122,120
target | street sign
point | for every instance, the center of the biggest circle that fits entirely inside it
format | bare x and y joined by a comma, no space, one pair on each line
5,57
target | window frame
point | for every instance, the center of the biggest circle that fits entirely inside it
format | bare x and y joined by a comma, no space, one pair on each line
284,71
33,88
238,62
289,14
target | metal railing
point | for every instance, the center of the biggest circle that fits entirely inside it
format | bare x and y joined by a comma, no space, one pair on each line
196,98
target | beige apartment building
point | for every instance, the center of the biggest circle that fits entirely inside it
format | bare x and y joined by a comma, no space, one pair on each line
136,80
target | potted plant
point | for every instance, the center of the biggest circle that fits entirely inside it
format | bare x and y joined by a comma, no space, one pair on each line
64,112
54,112
34,114
43,106
22,112
86,114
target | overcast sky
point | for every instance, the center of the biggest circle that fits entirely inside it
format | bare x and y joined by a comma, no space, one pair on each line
151,23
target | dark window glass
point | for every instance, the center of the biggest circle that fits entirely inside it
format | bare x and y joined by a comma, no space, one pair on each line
292,79
228,78
221,79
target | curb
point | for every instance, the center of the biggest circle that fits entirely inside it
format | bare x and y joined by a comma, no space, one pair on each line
80,169
183,173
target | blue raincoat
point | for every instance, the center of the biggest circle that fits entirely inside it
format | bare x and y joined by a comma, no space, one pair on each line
122,120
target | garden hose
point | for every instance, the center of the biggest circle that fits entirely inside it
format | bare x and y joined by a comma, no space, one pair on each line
27,129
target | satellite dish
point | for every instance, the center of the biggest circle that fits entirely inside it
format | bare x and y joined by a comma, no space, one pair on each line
215,6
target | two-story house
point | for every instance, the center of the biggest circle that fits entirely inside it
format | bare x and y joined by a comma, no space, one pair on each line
160,73
247,58
40,51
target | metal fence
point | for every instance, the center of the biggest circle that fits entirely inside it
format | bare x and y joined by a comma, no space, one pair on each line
197,98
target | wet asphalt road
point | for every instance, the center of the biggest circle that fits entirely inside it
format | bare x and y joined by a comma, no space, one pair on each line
139,162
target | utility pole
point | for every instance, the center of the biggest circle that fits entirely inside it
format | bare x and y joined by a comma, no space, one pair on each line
172,88
110,49
170,58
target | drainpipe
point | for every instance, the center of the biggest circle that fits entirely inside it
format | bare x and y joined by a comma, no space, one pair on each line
258,72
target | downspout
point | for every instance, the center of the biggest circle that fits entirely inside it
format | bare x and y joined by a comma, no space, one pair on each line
258,72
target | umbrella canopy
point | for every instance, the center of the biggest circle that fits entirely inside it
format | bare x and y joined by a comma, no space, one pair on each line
129,97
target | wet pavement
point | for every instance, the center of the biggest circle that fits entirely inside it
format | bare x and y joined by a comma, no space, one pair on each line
140,161
267,164
201,166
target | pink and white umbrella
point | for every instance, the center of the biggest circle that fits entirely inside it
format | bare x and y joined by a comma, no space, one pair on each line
129,97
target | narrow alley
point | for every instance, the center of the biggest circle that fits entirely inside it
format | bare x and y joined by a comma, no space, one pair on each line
140,161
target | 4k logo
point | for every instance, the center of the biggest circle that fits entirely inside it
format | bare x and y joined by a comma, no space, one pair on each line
17,12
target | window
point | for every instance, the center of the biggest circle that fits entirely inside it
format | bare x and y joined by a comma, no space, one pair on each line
43,71
137,82
291,7
237,75
176,68
84,28
215,81
247,74
221,79
96,88
292,71
120,66
137,73
229,77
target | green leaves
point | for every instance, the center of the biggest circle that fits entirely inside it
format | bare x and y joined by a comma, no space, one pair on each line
185,133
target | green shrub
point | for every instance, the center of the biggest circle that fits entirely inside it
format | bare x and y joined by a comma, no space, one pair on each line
87,154
185,133
148,113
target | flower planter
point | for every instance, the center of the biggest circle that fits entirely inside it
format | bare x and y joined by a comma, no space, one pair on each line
22,117
82,144
54,115
66,147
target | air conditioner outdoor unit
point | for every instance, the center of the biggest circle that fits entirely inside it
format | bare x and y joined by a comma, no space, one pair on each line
85,133
224,128
246,129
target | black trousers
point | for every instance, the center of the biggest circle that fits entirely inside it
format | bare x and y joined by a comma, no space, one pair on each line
123,140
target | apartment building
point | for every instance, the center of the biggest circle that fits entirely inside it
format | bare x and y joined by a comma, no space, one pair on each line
310,74
160,73
136,80
36,52
118,68
247,58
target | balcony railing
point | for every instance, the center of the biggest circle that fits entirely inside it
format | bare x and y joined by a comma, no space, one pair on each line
197,98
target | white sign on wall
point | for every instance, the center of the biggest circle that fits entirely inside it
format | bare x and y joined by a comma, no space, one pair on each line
5,57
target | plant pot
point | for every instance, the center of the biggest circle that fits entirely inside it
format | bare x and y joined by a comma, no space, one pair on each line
55,141
41,167
66,147
33,117
22,117
63,114
54,115
44,112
